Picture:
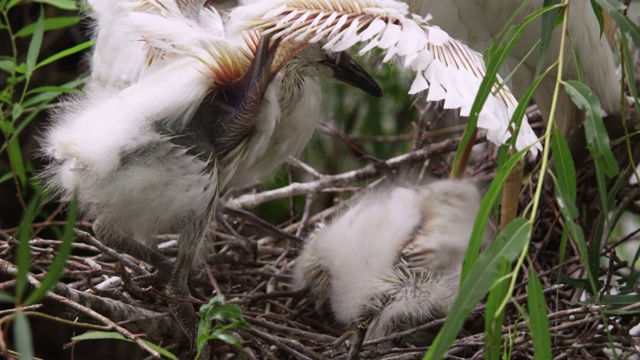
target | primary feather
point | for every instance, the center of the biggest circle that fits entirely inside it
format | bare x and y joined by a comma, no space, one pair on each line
450,70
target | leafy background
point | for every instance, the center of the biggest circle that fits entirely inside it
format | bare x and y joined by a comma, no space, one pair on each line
44,47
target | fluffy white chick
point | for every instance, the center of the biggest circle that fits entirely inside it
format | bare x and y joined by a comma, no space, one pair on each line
393,259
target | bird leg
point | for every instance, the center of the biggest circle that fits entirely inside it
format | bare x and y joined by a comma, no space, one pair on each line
218,128
124,244
193,233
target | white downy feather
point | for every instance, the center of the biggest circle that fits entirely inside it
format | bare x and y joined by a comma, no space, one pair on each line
394,257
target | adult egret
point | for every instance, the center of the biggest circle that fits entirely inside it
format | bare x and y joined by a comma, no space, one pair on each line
478,22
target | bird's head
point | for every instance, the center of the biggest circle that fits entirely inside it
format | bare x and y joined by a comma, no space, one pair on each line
313,60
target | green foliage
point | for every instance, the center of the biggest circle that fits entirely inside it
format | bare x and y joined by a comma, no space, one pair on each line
105,335
479,280
538,322
20,104
217,320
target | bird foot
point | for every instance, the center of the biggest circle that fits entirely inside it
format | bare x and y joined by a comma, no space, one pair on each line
182,311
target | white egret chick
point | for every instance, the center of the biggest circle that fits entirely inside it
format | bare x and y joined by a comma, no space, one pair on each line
393,259
150,146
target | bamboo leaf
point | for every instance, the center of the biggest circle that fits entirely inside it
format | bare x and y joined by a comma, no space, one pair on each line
505,247
493,319
486,207
66,52
595,131
22,330
23,254
538,322
548,24
565,168
61,4
36,43
54,273
105,335
49,24
17,162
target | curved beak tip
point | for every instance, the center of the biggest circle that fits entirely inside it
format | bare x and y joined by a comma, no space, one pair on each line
350,72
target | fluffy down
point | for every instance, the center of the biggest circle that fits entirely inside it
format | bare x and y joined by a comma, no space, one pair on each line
393,258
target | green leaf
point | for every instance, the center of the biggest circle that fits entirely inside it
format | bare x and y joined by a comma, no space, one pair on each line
59,263
104,335
6,177
227,337
7,65
23,255
66,52
49,24
506,247
597,11
12,3
565,203
493,318
546,32
217,310
490,198
36,43
99,335
21,69
54,89
162,351
17,163
615,8
22,330
47,97
17,111
538,322
61,4
595,131
565,168
6,298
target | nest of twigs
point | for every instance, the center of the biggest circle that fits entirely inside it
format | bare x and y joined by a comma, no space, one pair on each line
250,264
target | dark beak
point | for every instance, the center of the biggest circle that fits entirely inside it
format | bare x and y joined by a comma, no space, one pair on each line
350,72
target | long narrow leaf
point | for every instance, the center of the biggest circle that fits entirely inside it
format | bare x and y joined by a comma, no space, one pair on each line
595,131
565,168
49,24
59,263
506,247
66,52
17,162
104,335
490,199
61,4
494,316
22,334
546,32
23,255
36,43
538,322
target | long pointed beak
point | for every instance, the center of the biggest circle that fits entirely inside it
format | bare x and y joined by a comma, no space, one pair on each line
350,72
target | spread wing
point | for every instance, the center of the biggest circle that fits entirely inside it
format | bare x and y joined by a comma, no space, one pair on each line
447,68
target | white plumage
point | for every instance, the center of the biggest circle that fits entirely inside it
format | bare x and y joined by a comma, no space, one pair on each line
477,22
392,259
450,70
174,112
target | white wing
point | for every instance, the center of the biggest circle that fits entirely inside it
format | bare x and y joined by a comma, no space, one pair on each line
449,69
